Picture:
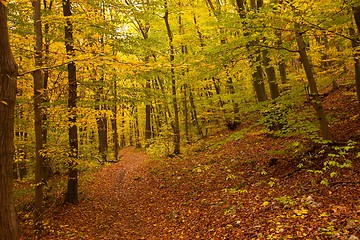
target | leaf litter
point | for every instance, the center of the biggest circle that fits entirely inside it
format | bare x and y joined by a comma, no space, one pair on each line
234,191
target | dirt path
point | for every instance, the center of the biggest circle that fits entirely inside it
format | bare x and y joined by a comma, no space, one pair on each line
111,209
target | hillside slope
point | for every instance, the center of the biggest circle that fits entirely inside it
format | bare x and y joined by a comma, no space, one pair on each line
257,187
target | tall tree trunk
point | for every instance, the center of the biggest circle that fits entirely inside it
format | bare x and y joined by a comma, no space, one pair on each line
8,74
101,121
271,75
355,44
258,78
184,87
356,10
148,112
194,114
186,112
136,128
257,74
72,184
47,163
176,125
122,127
114,124
38,98
282,64
317,103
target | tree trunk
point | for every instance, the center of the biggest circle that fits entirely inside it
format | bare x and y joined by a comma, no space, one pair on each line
72,184
114,124
8,73
258,79
282,64
148,113
356,10
136,128
194,114
101,121
355,45
38,98
257,75
317,103
176,125
122,127
186,112
271,75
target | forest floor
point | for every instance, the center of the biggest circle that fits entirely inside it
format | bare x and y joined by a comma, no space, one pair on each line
252,187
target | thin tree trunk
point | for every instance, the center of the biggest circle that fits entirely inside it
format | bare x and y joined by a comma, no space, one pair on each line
136,128
122,127
282,64
101,121
176,124
148,112
194,113
8,74
47,163
71,195
114,124
38,98
184,87
355,44
46,100
186,112
317,103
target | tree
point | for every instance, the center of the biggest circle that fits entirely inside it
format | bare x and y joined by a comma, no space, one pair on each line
175,124
8,74
317,103
72,185
355,45
38,96
257,74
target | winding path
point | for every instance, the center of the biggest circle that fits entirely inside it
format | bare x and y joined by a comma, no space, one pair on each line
112,208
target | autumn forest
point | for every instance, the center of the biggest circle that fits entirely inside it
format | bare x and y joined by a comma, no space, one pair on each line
179,119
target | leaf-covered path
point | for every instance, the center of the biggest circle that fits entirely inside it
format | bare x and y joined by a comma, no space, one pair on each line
112,208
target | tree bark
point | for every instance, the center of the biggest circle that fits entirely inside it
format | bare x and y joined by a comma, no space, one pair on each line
71,195
271,75
257,75
47,162
282,64
101,121
176,125
356,10
355,45
114,124
317,103
38,99
8,74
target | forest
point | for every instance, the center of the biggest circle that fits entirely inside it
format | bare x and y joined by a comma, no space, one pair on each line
179,119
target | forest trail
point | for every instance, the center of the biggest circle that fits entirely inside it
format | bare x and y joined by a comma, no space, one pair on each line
231,190
112,206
